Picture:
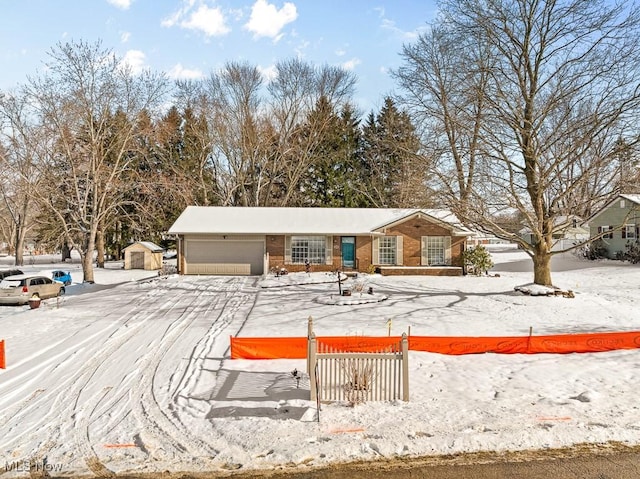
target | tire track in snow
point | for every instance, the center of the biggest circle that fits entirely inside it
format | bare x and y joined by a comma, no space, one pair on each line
186,389
156,417
59,394
66,395
162,425
152,429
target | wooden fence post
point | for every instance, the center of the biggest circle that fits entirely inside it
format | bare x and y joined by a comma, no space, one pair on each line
309,333
405,367
311,365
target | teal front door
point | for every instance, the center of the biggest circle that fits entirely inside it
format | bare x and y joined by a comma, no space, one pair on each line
348,252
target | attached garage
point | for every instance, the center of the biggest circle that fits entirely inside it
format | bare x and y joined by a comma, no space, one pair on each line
227,256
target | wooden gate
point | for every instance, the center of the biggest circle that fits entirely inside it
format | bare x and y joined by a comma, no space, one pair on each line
358,377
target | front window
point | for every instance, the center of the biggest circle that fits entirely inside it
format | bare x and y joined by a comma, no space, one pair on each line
435,250
310,248
630,231
387,250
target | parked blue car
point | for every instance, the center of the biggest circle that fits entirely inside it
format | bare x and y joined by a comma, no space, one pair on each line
58,275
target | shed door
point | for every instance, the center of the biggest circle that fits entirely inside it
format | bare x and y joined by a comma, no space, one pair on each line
224,257
137,260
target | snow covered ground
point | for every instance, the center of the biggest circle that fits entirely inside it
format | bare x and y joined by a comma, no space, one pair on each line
133,373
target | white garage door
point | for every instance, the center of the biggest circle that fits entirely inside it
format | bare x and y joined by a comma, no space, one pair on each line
224,257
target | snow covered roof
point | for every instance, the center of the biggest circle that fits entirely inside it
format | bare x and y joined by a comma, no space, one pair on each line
632,198
149,245
273,220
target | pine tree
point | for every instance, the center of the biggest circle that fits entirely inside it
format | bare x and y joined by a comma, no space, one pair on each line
396,177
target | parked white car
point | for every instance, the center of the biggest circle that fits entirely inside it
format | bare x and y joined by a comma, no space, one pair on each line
20,288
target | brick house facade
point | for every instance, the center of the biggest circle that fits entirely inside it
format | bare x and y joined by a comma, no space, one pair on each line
214,240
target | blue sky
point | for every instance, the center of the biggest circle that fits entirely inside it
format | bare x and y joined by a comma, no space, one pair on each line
192,38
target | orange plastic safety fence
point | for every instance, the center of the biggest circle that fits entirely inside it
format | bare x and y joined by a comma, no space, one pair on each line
296,347
2,363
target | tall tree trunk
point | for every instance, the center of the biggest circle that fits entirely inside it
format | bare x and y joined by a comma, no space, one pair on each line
87,257
66,252
21,233
542,264
100,249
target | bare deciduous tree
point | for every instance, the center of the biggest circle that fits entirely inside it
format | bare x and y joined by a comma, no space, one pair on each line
20,163
561,88
444,78
295,92
90,102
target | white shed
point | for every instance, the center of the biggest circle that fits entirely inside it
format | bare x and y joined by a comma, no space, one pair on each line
143,255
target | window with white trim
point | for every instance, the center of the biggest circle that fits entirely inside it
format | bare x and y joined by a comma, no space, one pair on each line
387,250
602,229
310,248
629,232
435,250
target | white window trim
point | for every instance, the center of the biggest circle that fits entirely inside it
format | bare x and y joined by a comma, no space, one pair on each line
395,260
630,231
328,248
424,253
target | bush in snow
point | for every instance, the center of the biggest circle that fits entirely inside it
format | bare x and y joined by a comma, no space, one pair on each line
596,250
477,260
631,253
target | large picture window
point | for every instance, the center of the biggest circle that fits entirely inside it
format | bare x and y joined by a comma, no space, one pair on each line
387,250
310,248
435,250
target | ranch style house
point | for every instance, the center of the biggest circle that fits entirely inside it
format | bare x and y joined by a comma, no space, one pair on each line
255,240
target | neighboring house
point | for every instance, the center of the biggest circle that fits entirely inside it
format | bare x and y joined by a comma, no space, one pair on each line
143,255
567,231
620,217
252,241
479,238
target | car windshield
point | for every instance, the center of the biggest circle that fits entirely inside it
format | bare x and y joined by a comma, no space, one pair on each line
10,283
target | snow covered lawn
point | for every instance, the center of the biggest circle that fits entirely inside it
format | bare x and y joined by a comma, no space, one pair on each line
132,373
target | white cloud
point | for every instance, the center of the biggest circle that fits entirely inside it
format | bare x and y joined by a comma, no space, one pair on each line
268,73
351,64
408,36
267,21
178,72
124,37
135,59
123,4
208,20
301,48
341,52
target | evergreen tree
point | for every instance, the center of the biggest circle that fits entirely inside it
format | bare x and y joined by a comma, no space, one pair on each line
332,176
396,177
